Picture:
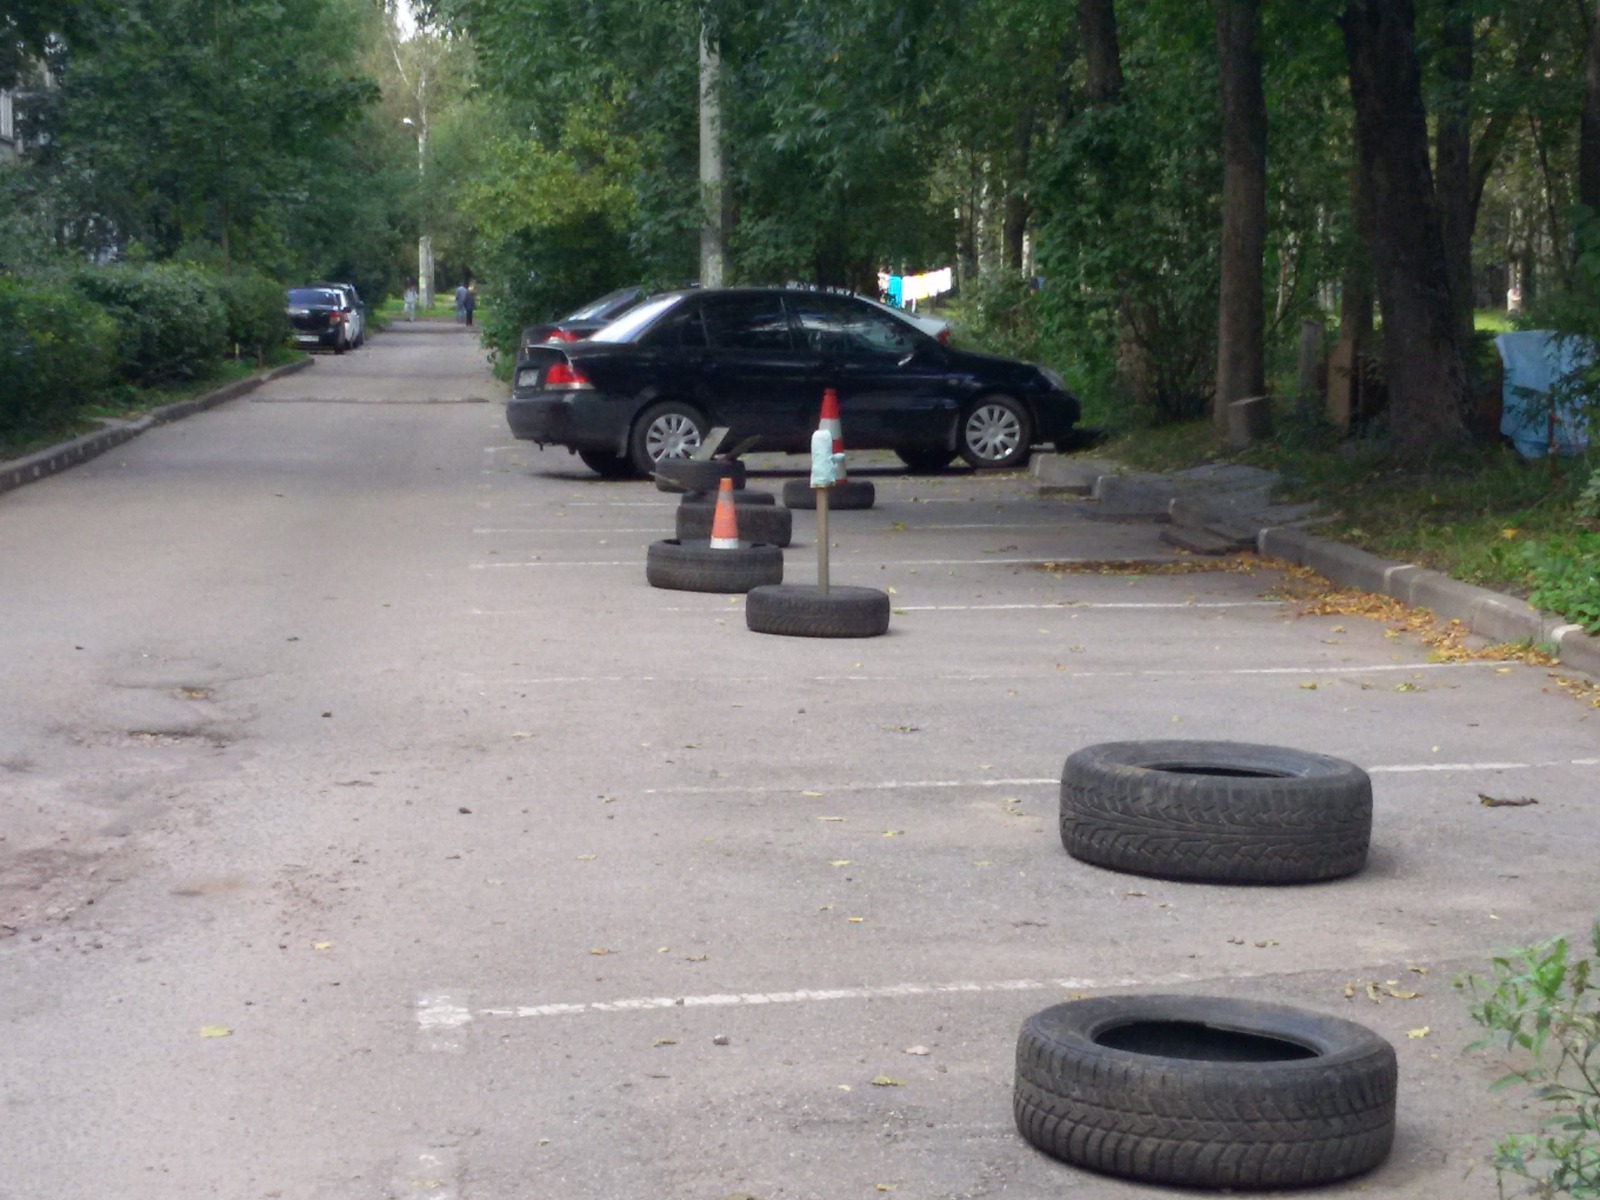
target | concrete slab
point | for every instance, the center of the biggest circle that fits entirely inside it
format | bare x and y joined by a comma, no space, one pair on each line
1065,474
1133,497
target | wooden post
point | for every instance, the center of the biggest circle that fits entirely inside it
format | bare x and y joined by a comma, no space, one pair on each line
822,540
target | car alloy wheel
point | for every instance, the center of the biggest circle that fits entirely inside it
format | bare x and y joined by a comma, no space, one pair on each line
995,433
672,435
669,430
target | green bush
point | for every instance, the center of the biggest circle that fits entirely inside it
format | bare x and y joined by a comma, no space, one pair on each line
254,304
57,350
1565,572
1539,1004
172,321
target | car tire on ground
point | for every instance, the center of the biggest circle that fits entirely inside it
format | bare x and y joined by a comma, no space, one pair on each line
996,431
608,463
666,431
1200,1092
768,524
1218,812
926,461
339,346
801,610
852,493
696,567
697,475
1193,1091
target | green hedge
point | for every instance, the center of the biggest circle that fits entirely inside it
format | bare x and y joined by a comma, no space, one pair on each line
57,350
172,320
255,310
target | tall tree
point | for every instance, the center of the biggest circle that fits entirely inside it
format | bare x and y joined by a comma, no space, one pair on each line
1589,134
1241,319
1102,56
1452,158
1427,384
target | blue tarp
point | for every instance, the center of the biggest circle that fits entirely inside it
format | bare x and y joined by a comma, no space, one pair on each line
1535,361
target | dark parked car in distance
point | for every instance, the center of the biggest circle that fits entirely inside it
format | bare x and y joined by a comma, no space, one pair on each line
325,316
654,382
583,322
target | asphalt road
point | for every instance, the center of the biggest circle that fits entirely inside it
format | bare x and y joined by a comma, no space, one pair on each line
370,828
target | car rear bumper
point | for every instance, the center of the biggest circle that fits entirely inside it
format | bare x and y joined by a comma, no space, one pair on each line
579,421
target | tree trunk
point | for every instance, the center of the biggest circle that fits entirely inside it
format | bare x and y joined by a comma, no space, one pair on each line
1453,162
1097,26
1355,305
1017,207
1241,321
1589,135
1427,385
713,199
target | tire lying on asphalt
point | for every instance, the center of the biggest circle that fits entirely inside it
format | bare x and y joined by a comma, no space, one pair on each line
1200,1092
696,567
852,493
757,523
801,610
1219,812
697,475
741,495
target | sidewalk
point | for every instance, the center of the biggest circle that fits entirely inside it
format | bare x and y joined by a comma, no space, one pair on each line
1220,508
114,432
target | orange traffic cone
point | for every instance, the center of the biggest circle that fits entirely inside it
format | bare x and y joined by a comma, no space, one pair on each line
724,521
830,422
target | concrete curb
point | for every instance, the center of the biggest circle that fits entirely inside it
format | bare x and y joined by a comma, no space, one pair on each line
54,459
1233,502
1498,617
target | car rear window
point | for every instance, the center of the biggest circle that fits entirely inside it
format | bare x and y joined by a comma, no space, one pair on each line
626,327
314,296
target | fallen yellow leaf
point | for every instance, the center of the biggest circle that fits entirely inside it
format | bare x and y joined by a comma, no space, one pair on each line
886,1081
1414,1034
215,1031
839,862
321,945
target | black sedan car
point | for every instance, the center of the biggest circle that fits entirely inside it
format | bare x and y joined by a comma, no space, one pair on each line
653,383
324,316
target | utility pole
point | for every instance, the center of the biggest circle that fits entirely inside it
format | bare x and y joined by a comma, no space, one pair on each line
713,197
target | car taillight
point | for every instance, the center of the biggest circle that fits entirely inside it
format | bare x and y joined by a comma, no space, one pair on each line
564,377
562,335
335,318
943,336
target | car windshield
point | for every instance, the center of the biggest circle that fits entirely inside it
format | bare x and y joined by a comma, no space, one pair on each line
314,296
627,327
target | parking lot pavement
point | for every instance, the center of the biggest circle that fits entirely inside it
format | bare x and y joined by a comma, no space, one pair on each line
837,854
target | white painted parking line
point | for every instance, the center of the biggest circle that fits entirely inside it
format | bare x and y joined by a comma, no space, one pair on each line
896,785
889,786
1090,604
654,530
442,1018
894,991
1044,671
903,562
1417,768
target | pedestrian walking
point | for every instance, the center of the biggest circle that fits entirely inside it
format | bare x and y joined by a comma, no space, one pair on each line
411,303
461,303
472,301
